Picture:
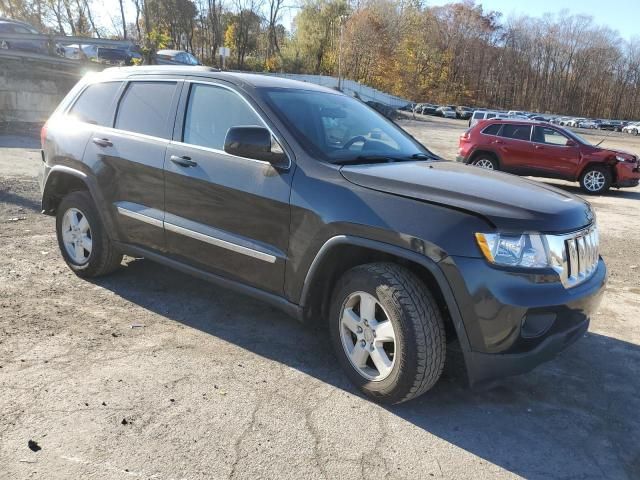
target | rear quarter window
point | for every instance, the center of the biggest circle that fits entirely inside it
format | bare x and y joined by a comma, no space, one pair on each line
492,129
95,102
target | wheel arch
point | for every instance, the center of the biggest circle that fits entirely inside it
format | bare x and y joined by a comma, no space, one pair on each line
62,180
608,164
342,252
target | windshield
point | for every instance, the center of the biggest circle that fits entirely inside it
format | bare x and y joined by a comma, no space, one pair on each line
339,128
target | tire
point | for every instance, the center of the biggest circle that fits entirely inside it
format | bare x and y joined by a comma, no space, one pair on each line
98,256
595,180
417,354
486,161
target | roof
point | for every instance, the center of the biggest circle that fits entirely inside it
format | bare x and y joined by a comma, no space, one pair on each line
170,52
254,80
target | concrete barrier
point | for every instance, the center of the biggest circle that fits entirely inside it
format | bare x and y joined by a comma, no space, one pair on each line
31,89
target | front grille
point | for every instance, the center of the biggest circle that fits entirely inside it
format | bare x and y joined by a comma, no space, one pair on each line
575,256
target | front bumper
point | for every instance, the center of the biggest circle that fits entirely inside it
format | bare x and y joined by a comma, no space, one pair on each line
513,320
627,175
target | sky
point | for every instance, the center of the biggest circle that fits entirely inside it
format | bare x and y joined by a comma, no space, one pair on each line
620,15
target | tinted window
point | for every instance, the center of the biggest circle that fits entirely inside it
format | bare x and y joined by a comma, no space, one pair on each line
478,115
492,129
519,132
490,115
549,135
145,107
211,112
94,103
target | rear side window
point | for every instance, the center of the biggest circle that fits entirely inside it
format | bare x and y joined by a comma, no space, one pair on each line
518,132
94,104
490,115
478,115
211,112
145,107
492,129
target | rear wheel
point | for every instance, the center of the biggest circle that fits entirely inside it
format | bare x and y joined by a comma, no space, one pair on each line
82,239
387,332
595,180
485,161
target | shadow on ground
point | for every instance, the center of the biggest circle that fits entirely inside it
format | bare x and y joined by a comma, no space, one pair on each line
576,416
613,193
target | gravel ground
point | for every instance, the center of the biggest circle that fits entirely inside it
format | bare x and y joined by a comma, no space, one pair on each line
210,384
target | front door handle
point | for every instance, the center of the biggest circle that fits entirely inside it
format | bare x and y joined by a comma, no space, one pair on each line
102,142
498,142
183,161
539,147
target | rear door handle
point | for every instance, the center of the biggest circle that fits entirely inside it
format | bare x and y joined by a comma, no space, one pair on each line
183,161
103,142
539,147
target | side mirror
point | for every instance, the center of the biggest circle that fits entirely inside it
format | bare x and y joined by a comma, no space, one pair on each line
255,143
571,143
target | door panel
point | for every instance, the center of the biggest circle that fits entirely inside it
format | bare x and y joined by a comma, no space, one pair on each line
226,214
552,156
129,159
514,148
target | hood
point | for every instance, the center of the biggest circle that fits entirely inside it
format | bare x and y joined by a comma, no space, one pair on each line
509,202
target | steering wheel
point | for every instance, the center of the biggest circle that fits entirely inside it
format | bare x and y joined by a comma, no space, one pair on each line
349,143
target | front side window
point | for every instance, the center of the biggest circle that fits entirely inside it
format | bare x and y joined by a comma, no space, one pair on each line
211,112
145,107
517,132
338,128
94,104
549,136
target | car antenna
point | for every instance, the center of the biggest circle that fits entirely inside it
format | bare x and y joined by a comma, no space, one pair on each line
606,136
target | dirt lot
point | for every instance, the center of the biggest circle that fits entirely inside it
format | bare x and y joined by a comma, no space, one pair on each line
214,385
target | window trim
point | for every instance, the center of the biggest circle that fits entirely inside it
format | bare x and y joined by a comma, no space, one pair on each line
182,112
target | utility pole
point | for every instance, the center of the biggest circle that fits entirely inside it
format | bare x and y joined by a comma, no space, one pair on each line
342,18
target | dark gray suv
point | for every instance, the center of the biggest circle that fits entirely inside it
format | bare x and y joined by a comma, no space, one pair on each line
314,202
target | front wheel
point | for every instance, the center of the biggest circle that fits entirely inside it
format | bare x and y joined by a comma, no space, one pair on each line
82,238
388,332
595,180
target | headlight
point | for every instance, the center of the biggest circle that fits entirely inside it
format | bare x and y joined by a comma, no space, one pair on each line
620,159
527,250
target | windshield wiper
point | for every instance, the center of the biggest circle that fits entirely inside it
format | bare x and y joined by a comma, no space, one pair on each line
364,159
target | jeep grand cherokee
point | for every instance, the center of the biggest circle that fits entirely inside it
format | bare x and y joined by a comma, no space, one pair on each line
312,201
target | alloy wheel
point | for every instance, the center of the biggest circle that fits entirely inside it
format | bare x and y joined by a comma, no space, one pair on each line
484,163
594,181
76,236
368,337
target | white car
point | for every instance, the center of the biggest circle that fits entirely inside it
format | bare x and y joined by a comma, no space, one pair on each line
446,112
632,128
479,115
574,122
73,51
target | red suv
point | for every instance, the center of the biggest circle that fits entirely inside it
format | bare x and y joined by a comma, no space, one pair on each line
544,150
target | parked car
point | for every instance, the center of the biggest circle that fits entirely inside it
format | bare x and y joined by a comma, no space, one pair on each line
114,55
632,128
427,109
8,25
479,115
464,113
446,112
611,125
175,57
408,107
545,150
307,199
